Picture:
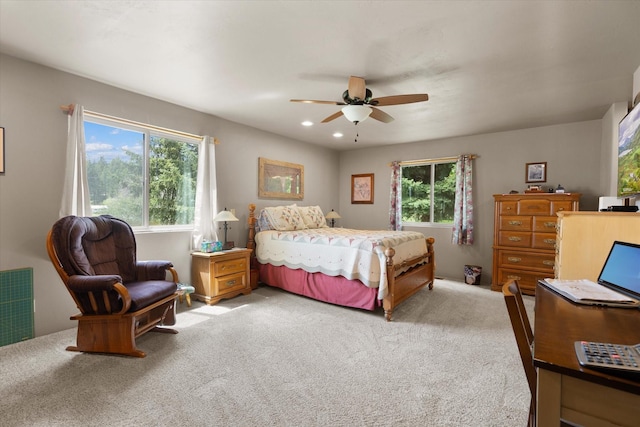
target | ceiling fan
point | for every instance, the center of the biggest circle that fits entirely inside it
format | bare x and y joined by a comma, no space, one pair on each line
360,103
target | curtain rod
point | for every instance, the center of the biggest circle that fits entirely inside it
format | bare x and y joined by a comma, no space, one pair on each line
439,159
68,109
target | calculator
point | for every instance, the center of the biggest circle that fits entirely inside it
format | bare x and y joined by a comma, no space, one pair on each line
619,357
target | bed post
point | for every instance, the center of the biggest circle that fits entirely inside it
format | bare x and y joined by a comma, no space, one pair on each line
251,244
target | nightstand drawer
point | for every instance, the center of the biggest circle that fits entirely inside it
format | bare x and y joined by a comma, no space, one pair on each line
230,283
223,268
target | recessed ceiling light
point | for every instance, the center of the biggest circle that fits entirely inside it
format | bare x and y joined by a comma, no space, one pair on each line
337,135
307,123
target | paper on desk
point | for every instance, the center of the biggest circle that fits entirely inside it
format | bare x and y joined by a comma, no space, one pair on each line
588,290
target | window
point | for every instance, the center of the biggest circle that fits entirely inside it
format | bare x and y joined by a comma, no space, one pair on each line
428,192
143,176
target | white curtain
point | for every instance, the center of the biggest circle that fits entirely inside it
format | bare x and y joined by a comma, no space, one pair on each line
75,192
206,195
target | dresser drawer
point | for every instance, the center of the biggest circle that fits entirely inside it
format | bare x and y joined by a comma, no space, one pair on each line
516,223
515,239
526,280
230,283
237,265
544,240
534,207
509,208
559,206
546,224
512,259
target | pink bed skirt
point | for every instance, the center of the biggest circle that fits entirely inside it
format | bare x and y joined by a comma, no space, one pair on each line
334,290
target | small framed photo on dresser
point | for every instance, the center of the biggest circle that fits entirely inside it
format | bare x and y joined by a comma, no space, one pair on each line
536,172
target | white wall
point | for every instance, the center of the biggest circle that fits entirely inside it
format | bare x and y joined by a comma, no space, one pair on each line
30,190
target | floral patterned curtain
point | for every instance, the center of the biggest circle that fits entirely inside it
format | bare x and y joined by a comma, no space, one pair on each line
395,211
463,207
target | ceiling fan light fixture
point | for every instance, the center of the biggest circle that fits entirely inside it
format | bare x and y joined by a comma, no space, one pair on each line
356,113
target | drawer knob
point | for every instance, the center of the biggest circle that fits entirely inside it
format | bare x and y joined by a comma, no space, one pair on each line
515,222
513,276
550,224
514,259
231,282
515,238
550,241
560,209
547,262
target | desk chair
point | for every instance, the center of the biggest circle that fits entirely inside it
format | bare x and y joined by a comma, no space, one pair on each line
524,338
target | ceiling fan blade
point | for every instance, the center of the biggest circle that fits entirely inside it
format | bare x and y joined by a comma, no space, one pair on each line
332,117
399,99
380,115
357,88
312,101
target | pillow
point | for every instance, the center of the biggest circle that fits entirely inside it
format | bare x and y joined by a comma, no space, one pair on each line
285,218
312,216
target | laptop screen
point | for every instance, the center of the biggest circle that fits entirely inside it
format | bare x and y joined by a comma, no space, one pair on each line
621,270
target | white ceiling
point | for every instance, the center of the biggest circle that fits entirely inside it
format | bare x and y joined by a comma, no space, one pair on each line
487,65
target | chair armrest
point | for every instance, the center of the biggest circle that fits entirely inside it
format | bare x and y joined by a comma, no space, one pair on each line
153,270
103,294
93,283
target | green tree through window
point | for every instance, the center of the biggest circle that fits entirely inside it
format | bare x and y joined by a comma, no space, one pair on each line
428,193
145,178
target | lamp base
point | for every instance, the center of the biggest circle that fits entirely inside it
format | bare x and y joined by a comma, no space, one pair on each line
227,245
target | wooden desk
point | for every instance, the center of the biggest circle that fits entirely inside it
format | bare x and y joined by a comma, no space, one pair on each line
565,389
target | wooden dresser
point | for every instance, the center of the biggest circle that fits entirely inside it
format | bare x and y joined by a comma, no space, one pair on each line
524,238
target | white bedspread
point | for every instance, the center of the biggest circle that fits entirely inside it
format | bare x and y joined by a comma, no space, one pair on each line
354,254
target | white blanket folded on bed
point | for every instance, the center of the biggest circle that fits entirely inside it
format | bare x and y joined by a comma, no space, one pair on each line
354,254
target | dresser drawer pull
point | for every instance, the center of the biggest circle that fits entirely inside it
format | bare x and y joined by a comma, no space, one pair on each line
547,262
515,222
515,238
514,259
513,276
230,282
550,241
550,224
560,209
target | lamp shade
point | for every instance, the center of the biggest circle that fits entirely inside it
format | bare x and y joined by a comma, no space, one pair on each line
332,215
226,216
356,113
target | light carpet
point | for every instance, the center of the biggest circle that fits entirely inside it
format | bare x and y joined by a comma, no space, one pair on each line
271,358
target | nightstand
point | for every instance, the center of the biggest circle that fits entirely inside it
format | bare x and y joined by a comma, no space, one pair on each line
219,275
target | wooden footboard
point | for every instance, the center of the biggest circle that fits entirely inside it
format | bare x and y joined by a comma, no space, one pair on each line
420,273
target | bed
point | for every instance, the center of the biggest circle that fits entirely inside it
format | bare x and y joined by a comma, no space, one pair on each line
293,249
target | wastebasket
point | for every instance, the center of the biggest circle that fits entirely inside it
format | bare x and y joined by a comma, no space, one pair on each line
472,274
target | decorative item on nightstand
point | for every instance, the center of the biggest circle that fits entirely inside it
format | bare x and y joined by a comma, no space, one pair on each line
333,215
225,216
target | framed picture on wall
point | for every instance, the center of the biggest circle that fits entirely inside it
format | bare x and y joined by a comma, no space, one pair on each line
536,172
362,188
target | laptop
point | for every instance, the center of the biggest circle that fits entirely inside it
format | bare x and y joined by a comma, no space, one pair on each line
618,283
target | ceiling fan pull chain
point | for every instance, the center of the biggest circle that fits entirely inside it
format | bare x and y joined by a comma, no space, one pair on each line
357,134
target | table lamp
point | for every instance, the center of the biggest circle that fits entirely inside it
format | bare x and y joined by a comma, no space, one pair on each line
225,216
333,215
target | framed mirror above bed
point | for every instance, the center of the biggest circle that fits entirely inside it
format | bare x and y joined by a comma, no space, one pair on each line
280,180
